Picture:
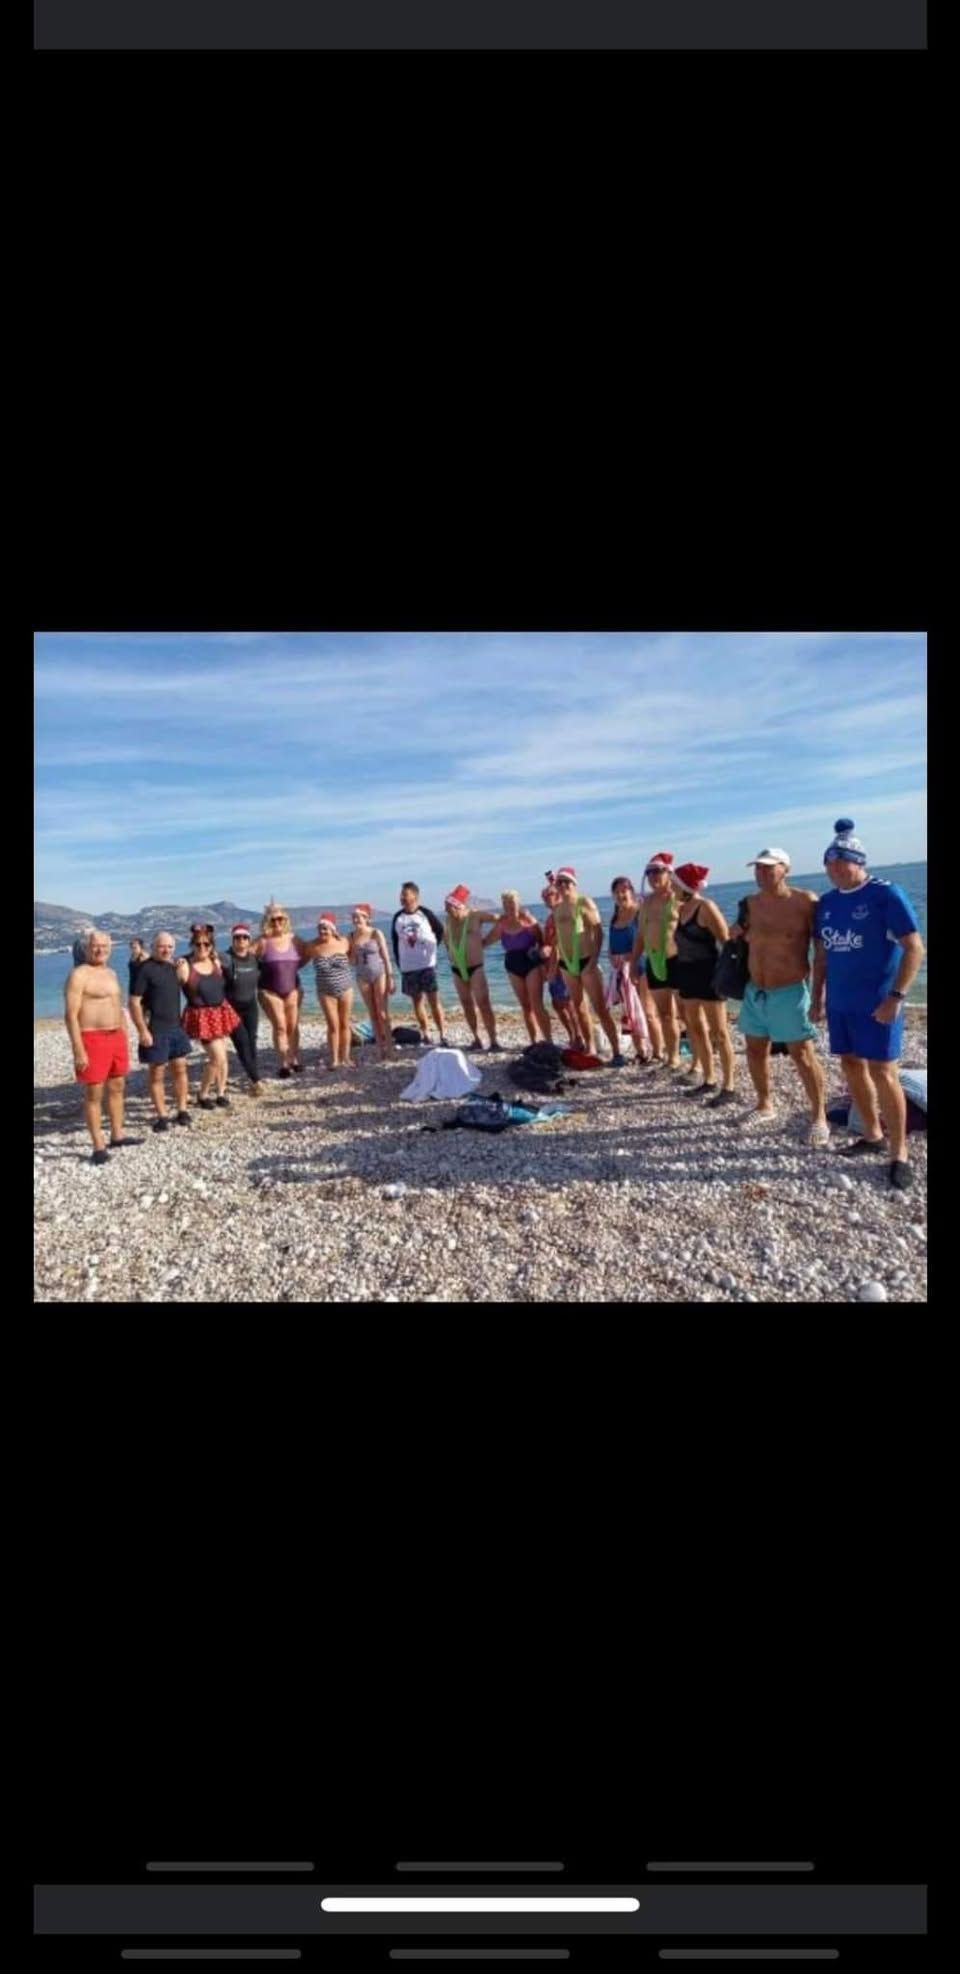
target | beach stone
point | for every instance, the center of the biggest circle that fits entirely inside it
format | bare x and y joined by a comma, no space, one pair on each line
871,1292
842,1179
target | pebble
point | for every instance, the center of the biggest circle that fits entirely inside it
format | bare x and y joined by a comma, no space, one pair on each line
871,1292
627,1199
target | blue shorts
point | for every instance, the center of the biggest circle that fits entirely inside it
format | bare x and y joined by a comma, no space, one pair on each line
167,1044
860,1035
559,991
777,1014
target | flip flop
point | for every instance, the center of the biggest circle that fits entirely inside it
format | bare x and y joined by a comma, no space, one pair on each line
756,1119
819,1135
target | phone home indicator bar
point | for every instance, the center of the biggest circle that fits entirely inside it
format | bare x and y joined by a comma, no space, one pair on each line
235,1910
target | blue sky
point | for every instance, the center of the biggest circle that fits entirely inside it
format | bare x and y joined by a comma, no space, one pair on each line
179,769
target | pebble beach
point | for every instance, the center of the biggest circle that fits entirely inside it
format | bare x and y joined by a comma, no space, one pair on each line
328,1189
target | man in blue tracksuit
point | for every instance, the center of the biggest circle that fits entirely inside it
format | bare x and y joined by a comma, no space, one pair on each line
868,949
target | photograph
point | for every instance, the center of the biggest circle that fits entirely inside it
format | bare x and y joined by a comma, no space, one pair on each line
611,984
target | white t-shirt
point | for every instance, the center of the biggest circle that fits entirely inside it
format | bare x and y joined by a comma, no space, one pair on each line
416,941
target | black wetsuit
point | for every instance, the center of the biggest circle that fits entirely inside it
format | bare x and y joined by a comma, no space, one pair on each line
241,976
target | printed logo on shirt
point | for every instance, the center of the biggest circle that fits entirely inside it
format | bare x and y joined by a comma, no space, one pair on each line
861,911
841,942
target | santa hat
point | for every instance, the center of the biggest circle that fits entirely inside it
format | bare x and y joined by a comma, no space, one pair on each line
367,910
692,876
565,870
459,896
234,929
327,918
661,861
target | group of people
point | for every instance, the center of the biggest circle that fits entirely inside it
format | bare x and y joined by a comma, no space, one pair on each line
663,948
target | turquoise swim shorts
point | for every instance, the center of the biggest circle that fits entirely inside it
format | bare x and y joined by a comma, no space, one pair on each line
781,1014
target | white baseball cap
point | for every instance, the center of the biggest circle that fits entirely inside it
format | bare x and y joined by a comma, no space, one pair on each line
770,857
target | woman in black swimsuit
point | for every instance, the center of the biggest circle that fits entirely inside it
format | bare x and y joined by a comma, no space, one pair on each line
699,932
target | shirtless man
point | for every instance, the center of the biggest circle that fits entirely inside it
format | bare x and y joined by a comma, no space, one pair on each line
98,1038
579,931
776,1005
461,936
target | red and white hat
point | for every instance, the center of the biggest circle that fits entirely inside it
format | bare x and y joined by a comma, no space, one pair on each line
367,910
234,929
693,877
565,870
460,895
327,918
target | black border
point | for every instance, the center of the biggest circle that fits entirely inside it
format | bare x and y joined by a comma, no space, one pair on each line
480,24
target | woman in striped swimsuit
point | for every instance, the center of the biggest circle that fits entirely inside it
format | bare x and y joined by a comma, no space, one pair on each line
374,971
281,955
331,968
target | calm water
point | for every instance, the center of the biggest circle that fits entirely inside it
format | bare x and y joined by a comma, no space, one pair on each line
50,969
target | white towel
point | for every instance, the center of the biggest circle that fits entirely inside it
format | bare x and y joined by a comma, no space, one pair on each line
443,1073
621,992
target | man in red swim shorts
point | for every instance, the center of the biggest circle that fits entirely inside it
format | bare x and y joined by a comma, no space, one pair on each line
98,1038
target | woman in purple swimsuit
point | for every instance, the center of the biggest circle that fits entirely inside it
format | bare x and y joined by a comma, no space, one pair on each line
520,936
281,955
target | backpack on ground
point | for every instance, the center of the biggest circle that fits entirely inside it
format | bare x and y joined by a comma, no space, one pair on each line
536,1076
406,1034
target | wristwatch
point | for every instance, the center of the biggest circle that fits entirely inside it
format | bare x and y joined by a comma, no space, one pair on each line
895,994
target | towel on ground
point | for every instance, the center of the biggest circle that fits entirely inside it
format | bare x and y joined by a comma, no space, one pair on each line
443,1073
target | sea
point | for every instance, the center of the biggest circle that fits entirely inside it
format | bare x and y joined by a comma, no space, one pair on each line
50,969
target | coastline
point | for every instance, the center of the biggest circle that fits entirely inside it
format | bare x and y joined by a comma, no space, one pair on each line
331,1189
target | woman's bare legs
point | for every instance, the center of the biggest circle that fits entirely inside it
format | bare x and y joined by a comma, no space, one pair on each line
328,1004
534,986
721,1038
209,1069
275,1010
564,1014
699,1037
292,1011
221,1066
344,1005
520,990
373,995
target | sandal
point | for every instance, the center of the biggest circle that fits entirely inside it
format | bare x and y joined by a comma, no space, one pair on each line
819,1135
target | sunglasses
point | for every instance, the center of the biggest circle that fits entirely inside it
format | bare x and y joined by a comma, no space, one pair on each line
203,942
241,935
564,880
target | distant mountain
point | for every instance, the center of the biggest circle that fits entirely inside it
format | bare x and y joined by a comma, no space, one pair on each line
56,926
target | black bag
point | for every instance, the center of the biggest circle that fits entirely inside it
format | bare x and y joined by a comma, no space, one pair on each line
537,1076
731,975
480,1114
406,1034
543,1052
